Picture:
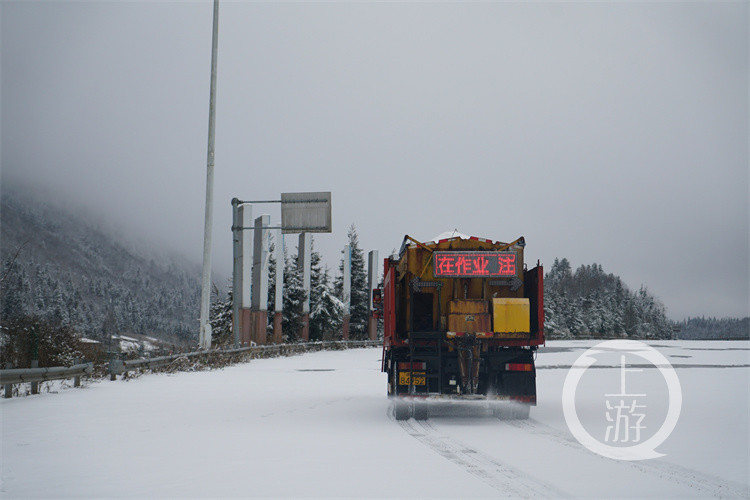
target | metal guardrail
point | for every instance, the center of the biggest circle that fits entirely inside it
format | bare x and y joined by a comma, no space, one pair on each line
21,375
8,377
122,367
34,375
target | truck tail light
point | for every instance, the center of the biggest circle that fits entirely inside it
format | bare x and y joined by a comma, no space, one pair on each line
519,367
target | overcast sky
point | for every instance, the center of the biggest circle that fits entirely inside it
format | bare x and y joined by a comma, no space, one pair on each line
614,133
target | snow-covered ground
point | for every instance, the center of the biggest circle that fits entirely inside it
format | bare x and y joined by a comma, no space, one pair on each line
318,425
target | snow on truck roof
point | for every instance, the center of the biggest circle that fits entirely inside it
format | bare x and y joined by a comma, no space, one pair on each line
451,235
448,235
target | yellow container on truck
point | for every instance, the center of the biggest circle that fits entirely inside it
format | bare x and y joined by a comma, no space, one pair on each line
511,315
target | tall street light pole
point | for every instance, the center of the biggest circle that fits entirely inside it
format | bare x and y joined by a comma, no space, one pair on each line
205,328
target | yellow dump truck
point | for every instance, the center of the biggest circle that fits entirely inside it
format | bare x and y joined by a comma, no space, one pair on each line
463,317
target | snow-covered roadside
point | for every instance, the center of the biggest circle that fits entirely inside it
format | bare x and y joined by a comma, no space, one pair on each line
712,434
51,387
317,425
263,428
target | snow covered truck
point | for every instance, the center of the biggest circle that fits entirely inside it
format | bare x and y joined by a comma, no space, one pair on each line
463,317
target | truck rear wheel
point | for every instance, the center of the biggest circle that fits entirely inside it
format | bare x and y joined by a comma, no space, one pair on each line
401,410
520,411
421,411
512,411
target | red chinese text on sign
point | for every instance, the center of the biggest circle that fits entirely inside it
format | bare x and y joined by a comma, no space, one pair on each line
444,265
474,264
507,264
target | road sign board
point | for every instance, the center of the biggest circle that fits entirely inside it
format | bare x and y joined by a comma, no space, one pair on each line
306,212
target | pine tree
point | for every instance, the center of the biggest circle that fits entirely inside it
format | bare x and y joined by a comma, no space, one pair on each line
316,291
712,328
12,292
359,301
272,278
39,298
326,311
221,317
294,296
591,302
60,312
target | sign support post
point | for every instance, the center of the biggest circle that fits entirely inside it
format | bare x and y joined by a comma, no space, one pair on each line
246,250
304,253
259,312
237,255
279,298
347,282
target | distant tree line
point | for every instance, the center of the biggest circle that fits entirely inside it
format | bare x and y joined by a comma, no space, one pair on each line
588,302
713,329
99,306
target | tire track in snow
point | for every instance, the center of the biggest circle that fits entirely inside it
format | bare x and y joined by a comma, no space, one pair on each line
499,475
701,483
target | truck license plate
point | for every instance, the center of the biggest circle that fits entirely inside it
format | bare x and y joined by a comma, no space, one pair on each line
420,378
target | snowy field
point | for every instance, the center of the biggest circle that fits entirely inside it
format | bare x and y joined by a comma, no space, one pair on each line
318,425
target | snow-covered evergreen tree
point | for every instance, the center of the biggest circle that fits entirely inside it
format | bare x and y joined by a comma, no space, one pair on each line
359,305
712,328
12,291
589,302
326,310
294,296
272,280
221,317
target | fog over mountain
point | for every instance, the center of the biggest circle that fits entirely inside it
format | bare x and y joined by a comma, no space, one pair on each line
61,264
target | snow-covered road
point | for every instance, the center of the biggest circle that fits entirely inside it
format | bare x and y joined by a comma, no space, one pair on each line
318,425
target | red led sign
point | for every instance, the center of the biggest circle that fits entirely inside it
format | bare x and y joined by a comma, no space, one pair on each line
475,264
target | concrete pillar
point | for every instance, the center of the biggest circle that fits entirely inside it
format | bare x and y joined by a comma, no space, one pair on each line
246,326
304,332
279,298
259,320
304,251
246,276
277,332
259,315
345,326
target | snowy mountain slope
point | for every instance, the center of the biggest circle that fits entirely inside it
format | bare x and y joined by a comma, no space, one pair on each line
67,268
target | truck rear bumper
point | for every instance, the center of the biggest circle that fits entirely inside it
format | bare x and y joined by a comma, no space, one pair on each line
466,398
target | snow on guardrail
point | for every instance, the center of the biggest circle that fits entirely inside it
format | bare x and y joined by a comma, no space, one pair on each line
22,375
122,367
115,367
